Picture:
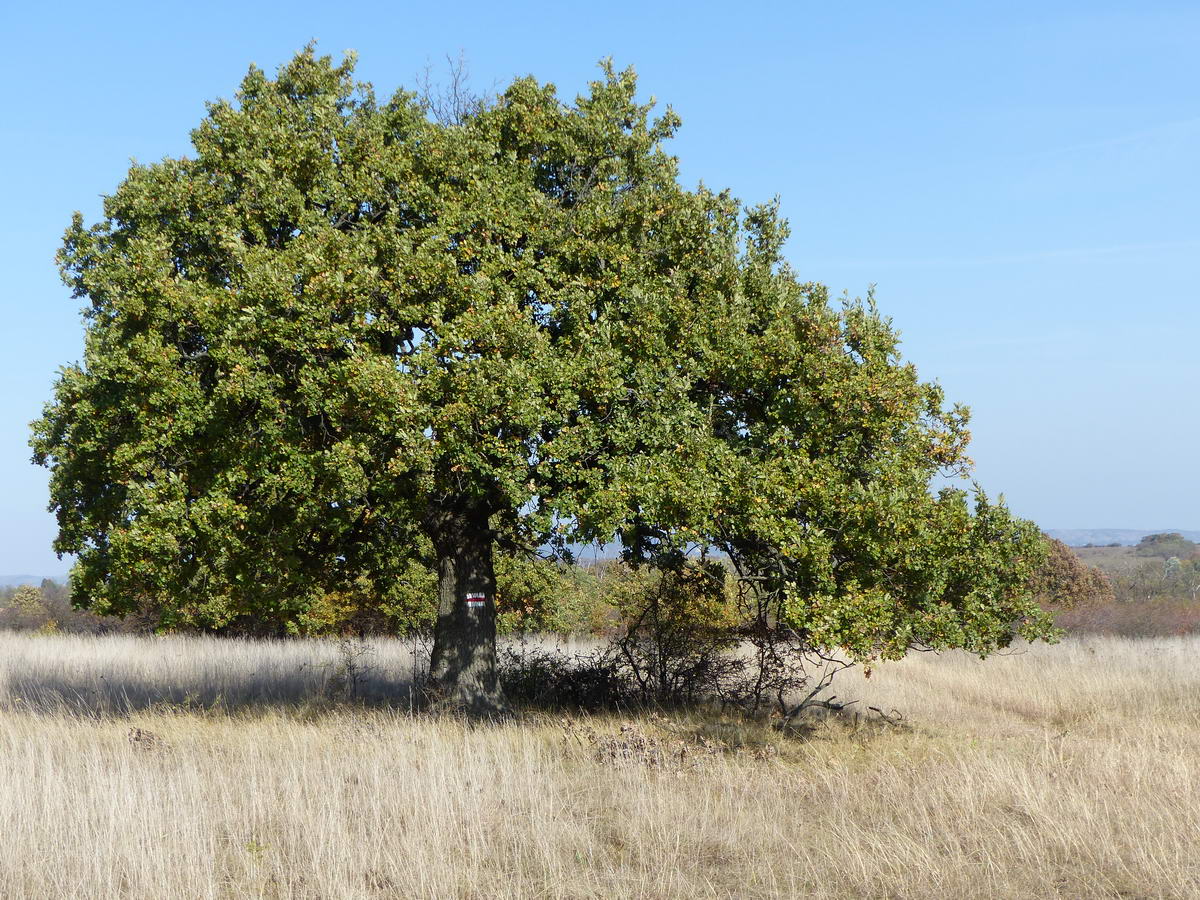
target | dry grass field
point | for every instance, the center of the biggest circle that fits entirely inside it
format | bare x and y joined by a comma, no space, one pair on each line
1121,560
189,768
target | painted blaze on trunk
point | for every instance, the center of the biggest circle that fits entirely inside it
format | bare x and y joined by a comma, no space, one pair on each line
463,667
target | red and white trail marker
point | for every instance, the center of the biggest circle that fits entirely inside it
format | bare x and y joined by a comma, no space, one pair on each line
475,600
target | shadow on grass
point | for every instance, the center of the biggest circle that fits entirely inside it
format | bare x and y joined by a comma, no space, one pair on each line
124,694
118,676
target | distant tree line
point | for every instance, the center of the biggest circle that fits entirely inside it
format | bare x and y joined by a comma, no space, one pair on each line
47,608
1171,571
1149,590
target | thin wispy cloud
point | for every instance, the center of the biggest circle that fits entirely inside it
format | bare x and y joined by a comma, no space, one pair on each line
1151,135
1057,340
1118,252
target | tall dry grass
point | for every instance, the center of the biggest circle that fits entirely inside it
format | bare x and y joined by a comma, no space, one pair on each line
185,768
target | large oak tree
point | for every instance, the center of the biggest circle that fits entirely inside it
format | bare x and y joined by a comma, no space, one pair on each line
342,334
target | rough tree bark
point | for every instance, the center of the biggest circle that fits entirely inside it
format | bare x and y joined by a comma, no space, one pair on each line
463,666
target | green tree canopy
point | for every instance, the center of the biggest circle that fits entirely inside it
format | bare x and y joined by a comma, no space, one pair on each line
342,337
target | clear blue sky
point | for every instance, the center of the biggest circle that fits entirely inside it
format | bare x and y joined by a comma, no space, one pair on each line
1018,179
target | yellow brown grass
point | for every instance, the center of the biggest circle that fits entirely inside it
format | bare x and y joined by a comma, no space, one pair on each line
226,771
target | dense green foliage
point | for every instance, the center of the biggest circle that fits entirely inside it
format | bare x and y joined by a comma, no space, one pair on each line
340,324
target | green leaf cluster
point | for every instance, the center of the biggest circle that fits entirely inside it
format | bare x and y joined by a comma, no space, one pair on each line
338,320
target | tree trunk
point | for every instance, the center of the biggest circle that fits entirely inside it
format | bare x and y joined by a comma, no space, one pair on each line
463,666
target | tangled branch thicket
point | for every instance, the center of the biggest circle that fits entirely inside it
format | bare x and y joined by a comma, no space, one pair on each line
681,635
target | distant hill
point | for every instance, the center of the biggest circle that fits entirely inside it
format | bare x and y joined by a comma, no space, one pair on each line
1126,537
35,580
